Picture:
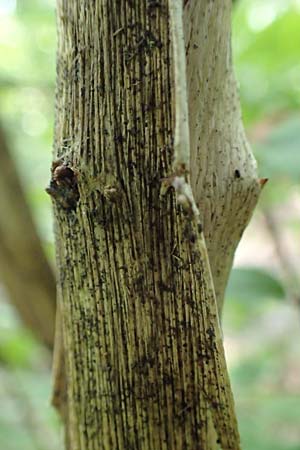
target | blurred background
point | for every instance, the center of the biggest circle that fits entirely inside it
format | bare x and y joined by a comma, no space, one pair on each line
262,311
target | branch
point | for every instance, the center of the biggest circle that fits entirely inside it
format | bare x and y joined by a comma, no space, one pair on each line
215,381
223,169
289,272
26,273
182,134
181,162
24,268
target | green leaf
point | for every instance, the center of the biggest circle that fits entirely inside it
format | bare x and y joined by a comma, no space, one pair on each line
267,58
279,155
17,348
253,285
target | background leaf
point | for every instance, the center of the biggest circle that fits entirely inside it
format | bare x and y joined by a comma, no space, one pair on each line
253,285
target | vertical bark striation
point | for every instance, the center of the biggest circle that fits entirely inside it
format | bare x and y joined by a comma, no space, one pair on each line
144,354
223,170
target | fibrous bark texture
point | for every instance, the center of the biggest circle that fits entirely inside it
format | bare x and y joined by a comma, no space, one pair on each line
144,354
223,170
24,269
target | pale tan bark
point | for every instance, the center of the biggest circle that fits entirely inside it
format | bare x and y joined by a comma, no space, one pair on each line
223,169
145,360
24,269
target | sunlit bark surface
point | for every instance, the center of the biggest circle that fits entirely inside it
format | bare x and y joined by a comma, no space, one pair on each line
223,169
144,353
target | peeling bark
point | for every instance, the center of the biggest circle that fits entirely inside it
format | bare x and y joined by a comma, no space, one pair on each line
144,353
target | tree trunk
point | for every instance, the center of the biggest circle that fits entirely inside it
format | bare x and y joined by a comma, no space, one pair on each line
145,360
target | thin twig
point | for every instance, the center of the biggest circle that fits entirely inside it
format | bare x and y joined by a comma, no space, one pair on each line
289,272
181,162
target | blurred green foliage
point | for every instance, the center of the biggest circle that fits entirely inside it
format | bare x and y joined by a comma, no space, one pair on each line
261,353
27,74
266,49
279,155
245,282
